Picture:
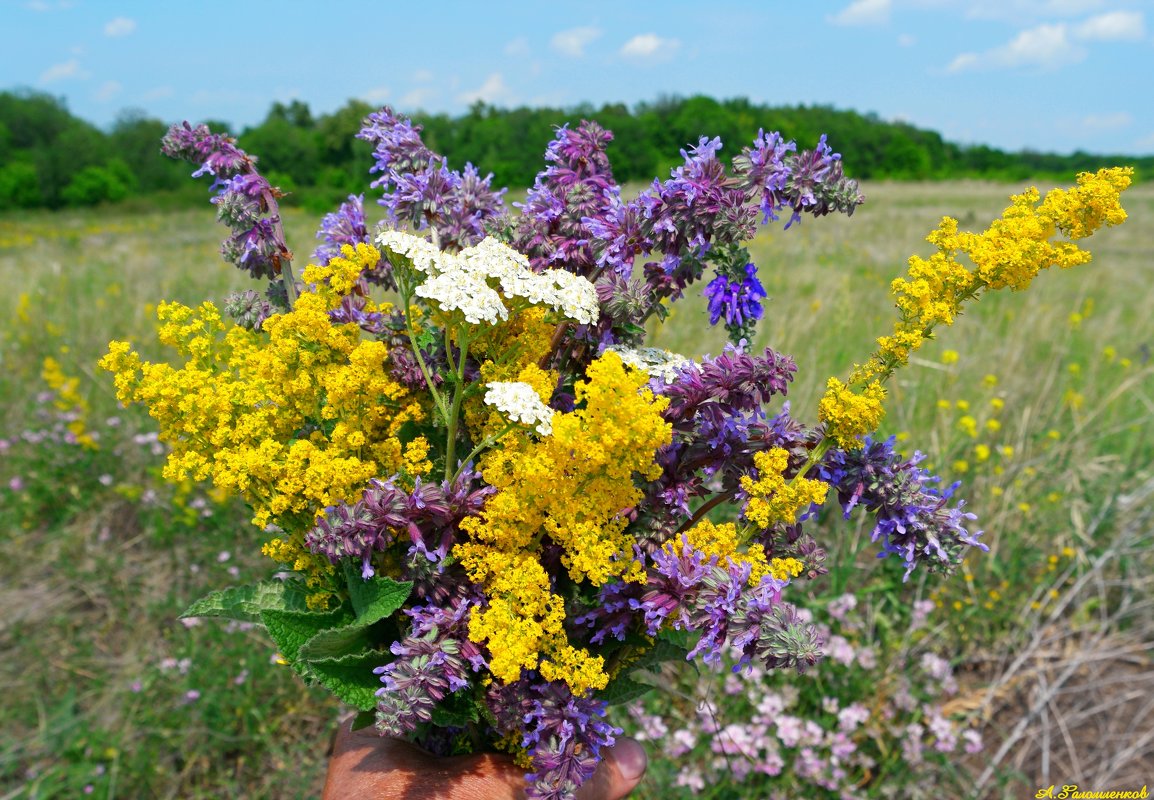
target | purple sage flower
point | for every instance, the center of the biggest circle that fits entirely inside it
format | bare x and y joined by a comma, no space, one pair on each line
914,519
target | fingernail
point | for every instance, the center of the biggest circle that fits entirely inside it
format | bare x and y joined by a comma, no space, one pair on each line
630,758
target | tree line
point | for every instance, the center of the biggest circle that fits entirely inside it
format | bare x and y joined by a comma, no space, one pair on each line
50,158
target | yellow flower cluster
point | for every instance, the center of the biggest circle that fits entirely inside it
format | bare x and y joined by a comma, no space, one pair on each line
1008,254
69,400
571,487
848,415
721,541
295,418
771,499
510,351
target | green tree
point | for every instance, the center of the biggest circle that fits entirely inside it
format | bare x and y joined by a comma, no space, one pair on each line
135,140
92,186
19,186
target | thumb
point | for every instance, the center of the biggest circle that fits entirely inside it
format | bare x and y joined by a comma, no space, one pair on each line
619,772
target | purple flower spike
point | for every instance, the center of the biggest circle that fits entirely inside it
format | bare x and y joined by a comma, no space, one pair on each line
433,661
565,735
245,201
914,519
421,190
429,516
570,199
344,226
737,298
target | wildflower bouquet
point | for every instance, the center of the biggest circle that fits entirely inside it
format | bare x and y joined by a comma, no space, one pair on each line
488,500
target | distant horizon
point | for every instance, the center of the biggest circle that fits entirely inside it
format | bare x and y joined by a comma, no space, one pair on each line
237,130
1047,76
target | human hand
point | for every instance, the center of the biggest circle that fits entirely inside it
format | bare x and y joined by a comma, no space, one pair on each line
367,765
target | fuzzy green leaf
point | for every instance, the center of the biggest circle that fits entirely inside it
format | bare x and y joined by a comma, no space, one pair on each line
661,652
350,678
363,719
681,638
376,598
337,643
246,602
622,689
292,629
455,711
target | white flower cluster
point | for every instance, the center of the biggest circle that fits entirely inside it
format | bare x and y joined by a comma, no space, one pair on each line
656,363
520,402
465,292
462,281
422,253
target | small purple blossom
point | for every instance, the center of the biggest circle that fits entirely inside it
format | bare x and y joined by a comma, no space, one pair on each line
914,520
344,226
420,189
428,515
737,301
564,735
433,661
245,201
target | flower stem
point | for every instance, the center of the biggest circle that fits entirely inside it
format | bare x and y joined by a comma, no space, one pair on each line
437,398
453,418
489,441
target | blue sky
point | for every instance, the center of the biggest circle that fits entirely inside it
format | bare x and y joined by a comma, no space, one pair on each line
1051,75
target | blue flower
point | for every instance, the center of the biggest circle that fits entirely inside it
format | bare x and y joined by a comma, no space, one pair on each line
738,301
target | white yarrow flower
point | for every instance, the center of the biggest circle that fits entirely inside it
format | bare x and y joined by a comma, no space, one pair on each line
468,281
520,403
575,297
457,290
422,253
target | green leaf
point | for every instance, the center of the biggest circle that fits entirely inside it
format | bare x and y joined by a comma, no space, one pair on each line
363,719
337,643
350,678
661,652
455,711
292,629
245,603
683,639
376,598
622,689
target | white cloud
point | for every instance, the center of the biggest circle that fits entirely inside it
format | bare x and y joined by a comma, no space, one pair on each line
906,40
862,12
650,47
963,62
493,91
158,93
107,91
1045,47
121,26
1026,10
378,94
518,48
1107,122
419,97
422,76
1145,143
44,5
573,42
1117,26
63,71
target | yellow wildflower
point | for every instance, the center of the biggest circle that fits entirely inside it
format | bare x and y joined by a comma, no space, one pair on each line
847,415
771,499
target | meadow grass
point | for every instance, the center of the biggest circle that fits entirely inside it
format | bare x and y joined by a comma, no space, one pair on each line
1040,402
